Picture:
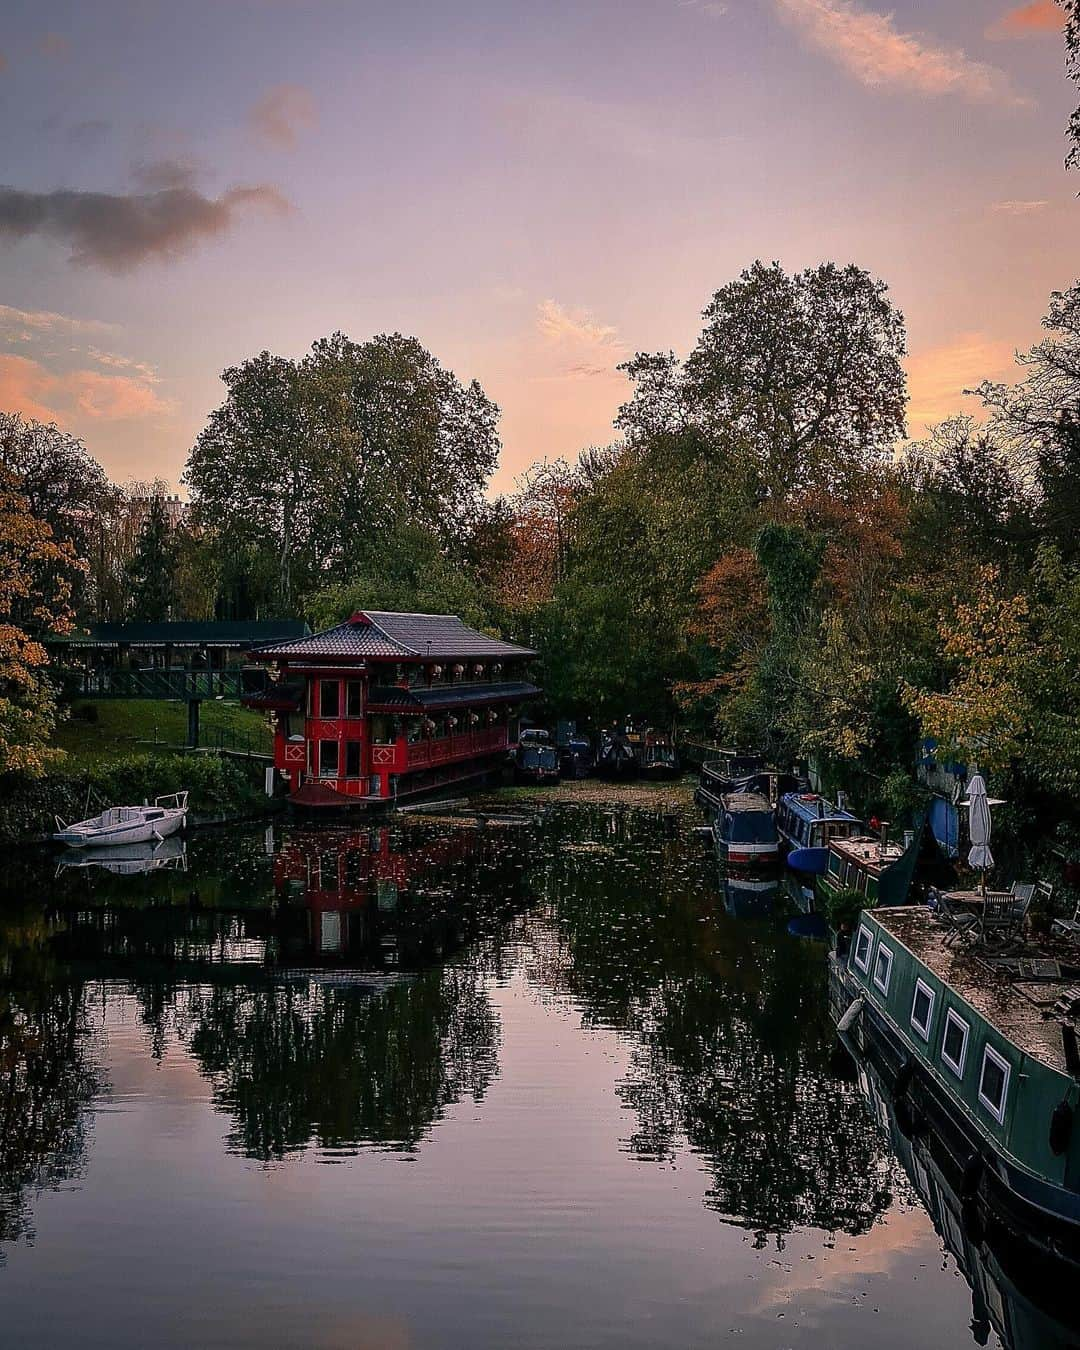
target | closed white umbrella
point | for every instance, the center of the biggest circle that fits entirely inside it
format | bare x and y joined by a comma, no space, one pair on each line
979,824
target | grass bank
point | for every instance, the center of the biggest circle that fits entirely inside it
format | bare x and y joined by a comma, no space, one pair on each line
100,731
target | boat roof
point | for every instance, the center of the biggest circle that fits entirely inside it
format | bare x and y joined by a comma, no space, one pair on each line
745,802
867,852
1020,1009
806,806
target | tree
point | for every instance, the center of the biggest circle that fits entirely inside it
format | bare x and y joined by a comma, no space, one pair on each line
314,464
151,569
64,487
804,372
1072,67
35,595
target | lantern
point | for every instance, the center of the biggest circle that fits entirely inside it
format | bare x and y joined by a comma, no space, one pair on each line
473,719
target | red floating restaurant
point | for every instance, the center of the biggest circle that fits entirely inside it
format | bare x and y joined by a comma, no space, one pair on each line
388,706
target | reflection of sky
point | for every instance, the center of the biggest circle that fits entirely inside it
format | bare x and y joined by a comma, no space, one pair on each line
534,191
521,1220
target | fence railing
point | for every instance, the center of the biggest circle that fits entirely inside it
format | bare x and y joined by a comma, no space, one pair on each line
183,685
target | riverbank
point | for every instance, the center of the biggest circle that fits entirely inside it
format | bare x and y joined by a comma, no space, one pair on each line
664,795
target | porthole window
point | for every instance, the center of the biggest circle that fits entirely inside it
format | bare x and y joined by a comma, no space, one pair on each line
922,1008
954,1042
994,1083
883,968
863,942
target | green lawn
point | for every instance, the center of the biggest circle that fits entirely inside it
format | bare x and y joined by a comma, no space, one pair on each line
124,726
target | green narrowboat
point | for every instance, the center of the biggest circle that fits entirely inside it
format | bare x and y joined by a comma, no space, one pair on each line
982,1051
872,865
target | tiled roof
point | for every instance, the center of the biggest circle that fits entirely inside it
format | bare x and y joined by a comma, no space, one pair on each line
377,633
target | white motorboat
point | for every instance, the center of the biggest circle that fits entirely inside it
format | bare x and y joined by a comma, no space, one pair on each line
127,824
125,860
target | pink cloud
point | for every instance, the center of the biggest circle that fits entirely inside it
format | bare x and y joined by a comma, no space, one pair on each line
938,377
282,114
28,387
1041,16
871,48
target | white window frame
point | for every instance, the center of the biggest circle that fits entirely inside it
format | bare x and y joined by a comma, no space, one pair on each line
886,953
924,1032
864,966
957,1067
998,1112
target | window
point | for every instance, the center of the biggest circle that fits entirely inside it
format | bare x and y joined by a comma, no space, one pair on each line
834,864
994,1083
922,1008
954,1043
382,731
328,759
883,968
354,698
329,698
352,759
863,942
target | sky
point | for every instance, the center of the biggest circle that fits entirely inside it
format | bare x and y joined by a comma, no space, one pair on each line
535,191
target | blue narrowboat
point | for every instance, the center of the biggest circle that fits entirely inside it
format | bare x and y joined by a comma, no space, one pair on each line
536,760
807,822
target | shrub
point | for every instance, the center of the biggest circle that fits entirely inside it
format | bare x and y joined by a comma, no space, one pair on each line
843,907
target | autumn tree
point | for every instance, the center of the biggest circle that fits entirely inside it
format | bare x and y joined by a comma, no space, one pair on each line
35,596
1072,67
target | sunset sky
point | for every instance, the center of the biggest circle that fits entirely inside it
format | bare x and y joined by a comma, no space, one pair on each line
534,191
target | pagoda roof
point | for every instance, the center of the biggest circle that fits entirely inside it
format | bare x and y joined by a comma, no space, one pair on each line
392,698
382,635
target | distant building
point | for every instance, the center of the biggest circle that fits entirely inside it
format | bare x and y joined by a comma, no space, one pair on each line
388,705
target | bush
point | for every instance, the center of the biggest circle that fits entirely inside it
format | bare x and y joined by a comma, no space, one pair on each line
27,807
843,907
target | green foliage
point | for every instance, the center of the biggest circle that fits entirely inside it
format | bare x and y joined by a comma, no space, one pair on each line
27,806
151,570
903,797
843,907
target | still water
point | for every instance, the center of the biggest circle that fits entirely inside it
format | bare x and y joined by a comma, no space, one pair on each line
542,1082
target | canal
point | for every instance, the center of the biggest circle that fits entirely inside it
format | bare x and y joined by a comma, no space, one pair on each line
538,1080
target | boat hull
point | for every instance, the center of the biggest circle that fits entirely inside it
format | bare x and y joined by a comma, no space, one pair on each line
138,832
982,1172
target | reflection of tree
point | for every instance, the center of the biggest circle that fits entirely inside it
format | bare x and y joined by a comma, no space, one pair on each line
295,1064
47,1079
728,1024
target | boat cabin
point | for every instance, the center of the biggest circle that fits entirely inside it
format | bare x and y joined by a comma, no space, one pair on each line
987,1045
745,829
391,705
872,865
808,820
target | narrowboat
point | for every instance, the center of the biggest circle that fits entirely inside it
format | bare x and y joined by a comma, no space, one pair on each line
536,760
1018,1291
744,831
575,756
806,822
717,778
657,757
983,1054
615,757
872,865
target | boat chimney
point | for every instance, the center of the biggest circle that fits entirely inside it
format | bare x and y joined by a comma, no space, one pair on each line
841,800
909,839
884,833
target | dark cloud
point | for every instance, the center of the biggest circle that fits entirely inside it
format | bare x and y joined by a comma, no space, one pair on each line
118,232
85,135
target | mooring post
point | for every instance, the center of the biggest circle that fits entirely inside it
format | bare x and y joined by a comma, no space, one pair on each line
193,723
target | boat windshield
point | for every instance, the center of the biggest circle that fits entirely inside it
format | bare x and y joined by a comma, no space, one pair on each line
751,827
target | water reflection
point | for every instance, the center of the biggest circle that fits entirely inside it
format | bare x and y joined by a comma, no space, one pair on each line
1018,1292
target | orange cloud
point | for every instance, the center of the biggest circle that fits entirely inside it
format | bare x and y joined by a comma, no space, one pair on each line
870,47
937,378
1041,16
586,348
29,388
282,114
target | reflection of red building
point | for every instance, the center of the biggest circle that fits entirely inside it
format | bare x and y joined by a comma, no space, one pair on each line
391,705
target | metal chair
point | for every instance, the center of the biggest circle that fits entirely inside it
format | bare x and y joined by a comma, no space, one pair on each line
1002,919
957,919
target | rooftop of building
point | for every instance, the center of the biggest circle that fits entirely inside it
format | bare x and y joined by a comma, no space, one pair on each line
381,635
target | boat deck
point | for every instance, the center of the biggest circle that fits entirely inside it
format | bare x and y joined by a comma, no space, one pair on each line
868,852
1016,993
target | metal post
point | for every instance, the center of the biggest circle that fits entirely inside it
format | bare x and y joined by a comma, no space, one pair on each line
193,723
